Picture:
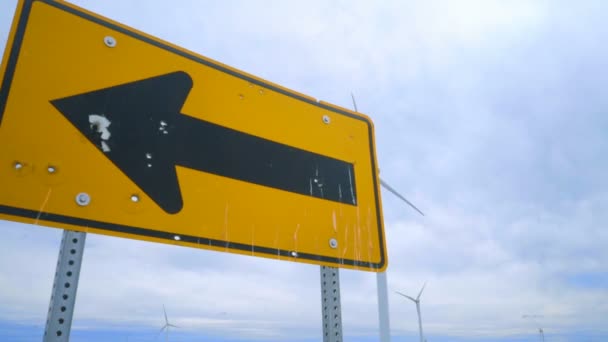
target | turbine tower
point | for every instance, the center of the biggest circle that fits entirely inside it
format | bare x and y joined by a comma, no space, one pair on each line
541,332
417,302
166,326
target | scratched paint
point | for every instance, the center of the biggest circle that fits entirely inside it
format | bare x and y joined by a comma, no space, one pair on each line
350,182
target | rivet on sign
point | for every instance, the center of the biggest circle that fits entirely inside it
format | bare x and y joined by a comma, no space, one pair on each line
294,254
134,198
326,119
83,199
18,166
177,238
333,243
51,169
109,41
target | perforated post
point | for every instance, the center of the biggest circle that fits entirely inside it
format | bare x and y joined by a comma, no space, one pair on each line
330,302
63,296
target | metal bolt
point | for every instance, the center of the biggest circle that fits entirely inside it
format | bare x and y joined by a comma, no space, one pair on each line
134,198
177,238
326,119
83,199
333,243
51,169
109,41
294,254
18,166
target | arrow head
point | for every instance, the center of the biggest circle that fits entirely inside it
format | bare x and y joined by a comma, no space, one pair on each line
133,125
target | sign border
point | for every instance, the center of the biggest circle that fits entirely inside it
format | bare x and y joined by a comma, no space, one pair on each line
12,50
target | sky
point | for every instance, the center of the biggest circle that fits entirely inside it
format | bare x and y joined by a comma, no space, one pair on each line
489,116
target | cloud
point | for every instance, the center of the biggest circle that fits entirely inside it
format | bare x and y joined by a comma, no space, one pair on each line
489,116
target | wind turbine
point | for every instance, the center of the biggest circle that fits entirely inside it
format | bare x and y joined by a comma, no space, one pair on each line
381,282
166,326
541,332
417,301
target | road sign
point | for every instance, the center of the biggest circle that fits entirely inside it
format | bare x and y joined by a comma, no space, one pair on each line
107,130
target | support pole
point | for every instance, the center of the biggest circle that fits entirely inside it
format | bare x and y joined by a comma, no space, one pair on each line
330,303
419,320
63,297
383,315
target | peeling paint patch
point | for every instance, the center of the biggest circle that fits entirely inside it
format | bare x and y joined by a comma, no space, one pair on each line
100,124
163,127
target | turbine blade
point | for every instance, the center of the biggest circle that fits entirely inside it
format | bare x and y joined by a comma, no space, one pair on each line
389,188
422,289
161,331
406,296
383,182
165,312
354,102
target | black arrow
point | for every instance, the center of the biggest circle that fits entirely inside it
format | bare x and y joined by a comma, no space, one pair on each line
139,127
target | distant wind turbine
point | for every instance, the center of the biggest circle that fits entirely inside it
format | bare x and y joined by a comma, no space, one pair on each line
417,301
541,332
166,326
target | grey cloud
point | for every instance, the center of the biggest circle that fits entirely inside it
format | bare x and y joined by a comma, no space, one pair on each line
490,117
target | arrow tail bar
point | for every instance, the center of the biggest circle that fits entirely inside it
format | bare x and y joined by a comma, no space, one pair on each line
229,153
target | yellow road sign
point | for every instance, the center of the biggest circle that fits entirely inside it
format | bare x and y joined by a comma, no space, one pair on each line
107,130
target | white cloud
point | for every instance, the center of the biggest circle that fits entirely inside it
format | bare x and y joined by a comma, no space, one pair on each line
489,116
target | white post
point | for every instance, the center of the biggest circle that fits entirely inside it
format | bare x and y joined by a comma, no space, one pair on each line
383,312
419,320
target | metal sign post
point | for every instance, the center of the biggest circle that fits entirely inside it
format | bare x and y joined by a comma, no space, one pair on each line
330,302
63,297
